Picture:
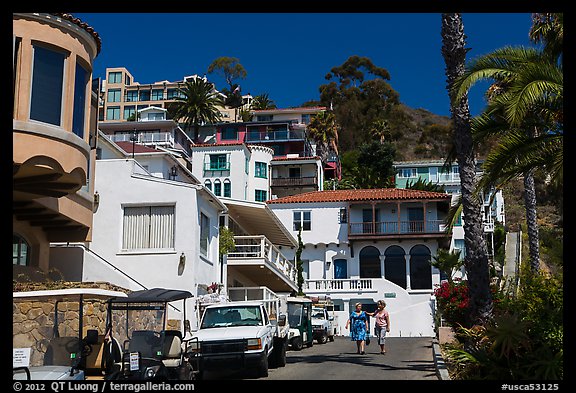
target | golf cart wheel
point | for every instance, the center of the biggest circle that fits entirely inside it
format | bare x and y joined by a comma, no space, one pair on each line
323,339
331,338
297,343
310,344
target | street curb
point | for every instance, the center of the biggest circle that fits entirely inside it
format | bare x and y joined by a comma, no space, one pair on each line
441,369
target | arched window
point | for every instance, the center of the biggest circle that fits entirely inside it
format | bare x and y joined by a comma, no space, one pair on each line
420,268
370,263
208,184
20,251
395,265
340,268
227,188
217,187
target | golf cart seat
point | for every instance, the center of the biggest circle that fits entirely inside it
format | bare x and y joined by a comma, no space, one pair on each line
59,350
172,348
147,342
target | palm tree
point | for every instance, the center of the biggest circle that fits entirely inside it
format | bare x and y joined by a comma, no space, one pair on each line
197,105
380,130
322,128
262,102
525,110
476,259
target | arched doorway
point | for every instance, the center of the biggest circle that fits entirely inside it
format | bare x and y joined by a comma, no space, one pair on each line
420,268
395,265
370,263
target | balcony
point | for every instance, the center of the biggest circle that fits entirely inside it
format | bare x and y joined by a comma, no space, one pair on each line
147,138
429,228
295,181
256,257
275,136
340,285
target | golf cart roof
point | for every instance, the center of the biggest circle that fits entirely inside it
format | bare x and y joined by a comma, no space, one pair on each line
93,293
154,295
298,300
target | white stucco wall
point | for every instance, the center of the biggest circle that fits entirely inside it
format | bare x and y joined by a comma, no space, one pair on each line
119,187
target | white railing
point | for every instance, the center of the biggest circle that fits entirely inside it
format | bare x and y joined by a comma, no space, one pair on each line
259,247
349,284
146,137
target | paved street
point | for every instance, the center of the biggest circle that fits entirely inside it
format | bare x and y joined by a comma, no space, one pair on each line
407,358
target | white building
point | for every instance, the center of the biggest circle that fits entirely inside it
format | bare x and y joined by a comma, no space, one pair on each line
366,245
155,227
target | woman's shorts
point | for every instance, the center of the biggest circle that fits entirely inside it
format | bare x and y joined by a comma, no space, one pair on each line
380,334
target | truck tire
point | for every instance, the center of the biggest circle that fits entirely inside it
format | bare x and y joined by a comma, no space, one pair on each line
310,344
297,343
323,338
278,357
263,368
331,338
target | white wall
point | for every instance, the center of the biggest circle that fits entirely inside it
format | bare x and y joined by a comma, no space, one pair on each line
259,154
117,187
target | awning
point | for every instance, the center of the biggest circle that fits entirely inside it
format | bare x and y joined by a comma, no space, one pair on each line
256,218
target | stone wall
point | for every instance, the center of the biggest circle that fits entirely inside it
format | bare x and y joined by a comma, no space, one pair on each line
33,323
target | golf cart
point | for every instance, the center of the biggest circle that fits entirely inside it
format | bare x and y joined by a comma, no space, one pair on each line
300,321
75,347
148,350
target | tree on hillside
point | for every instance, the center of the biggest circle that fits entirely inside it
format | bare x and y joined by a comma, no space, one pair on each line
196,105
375,165
358,93
476,259
229,68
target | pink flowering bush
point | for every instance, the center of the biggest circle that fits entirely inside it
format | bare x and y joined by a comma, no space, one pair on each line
452,301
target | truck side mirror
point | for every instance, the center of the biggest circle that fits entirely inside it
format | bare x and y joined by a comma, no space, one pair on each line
282,320
330,318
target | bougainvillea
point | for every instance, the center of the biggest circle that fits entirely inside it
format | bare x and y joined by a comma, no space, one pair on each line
452,301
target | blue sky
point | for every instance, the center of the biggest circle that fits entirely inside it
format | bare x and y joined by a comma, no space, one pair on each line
287,55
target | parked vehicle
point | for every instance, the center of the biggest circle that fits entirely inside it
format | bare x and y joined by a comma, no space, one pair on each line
300,321
149,350
73,352
323,321
246,335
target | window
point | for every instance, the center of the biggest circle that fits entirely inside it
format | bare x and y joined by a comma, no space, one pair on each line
459,245
80,84
395,265
229,133
343,216
278,150
208,184
171,94
115,77
114,95
47,81
144,95
340,269
306,118
217,188
264,118
302,219
113,113
407,172
131,96
260,195
227,188
147,227
261,170
204,234
127,80
420,271
157,94
20,251
294,173
218,162
129,110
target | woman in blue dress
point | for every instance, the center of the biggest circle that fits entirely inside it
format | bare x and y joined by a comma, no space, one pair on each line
358,323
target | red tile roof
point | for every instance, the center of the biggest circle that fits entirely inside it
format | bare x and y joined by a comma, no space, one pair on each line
127,147
84,26
360,195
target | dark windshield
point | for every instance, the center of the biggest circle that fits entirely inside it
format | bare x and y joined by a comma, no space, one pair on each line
232,316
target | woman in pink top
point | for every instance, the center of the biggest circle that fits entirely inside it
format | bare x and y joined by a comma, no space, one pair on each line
382,325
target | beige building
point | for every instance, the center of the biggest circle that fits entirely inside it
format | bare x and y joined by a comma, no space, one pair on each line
54,135
121,97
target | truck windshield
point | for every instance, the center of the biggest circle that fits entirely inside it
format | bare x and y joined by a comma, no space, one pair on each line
231,316
318,314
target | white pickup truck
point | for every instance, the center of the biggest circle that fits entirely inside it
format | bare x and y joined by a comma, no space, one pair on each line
249,335
323,322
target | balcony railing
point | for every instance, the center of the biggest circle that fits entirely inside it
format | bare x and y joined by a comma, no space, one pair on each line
217,166
279,135
147,138
294,181
259,247
353,284
397,227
